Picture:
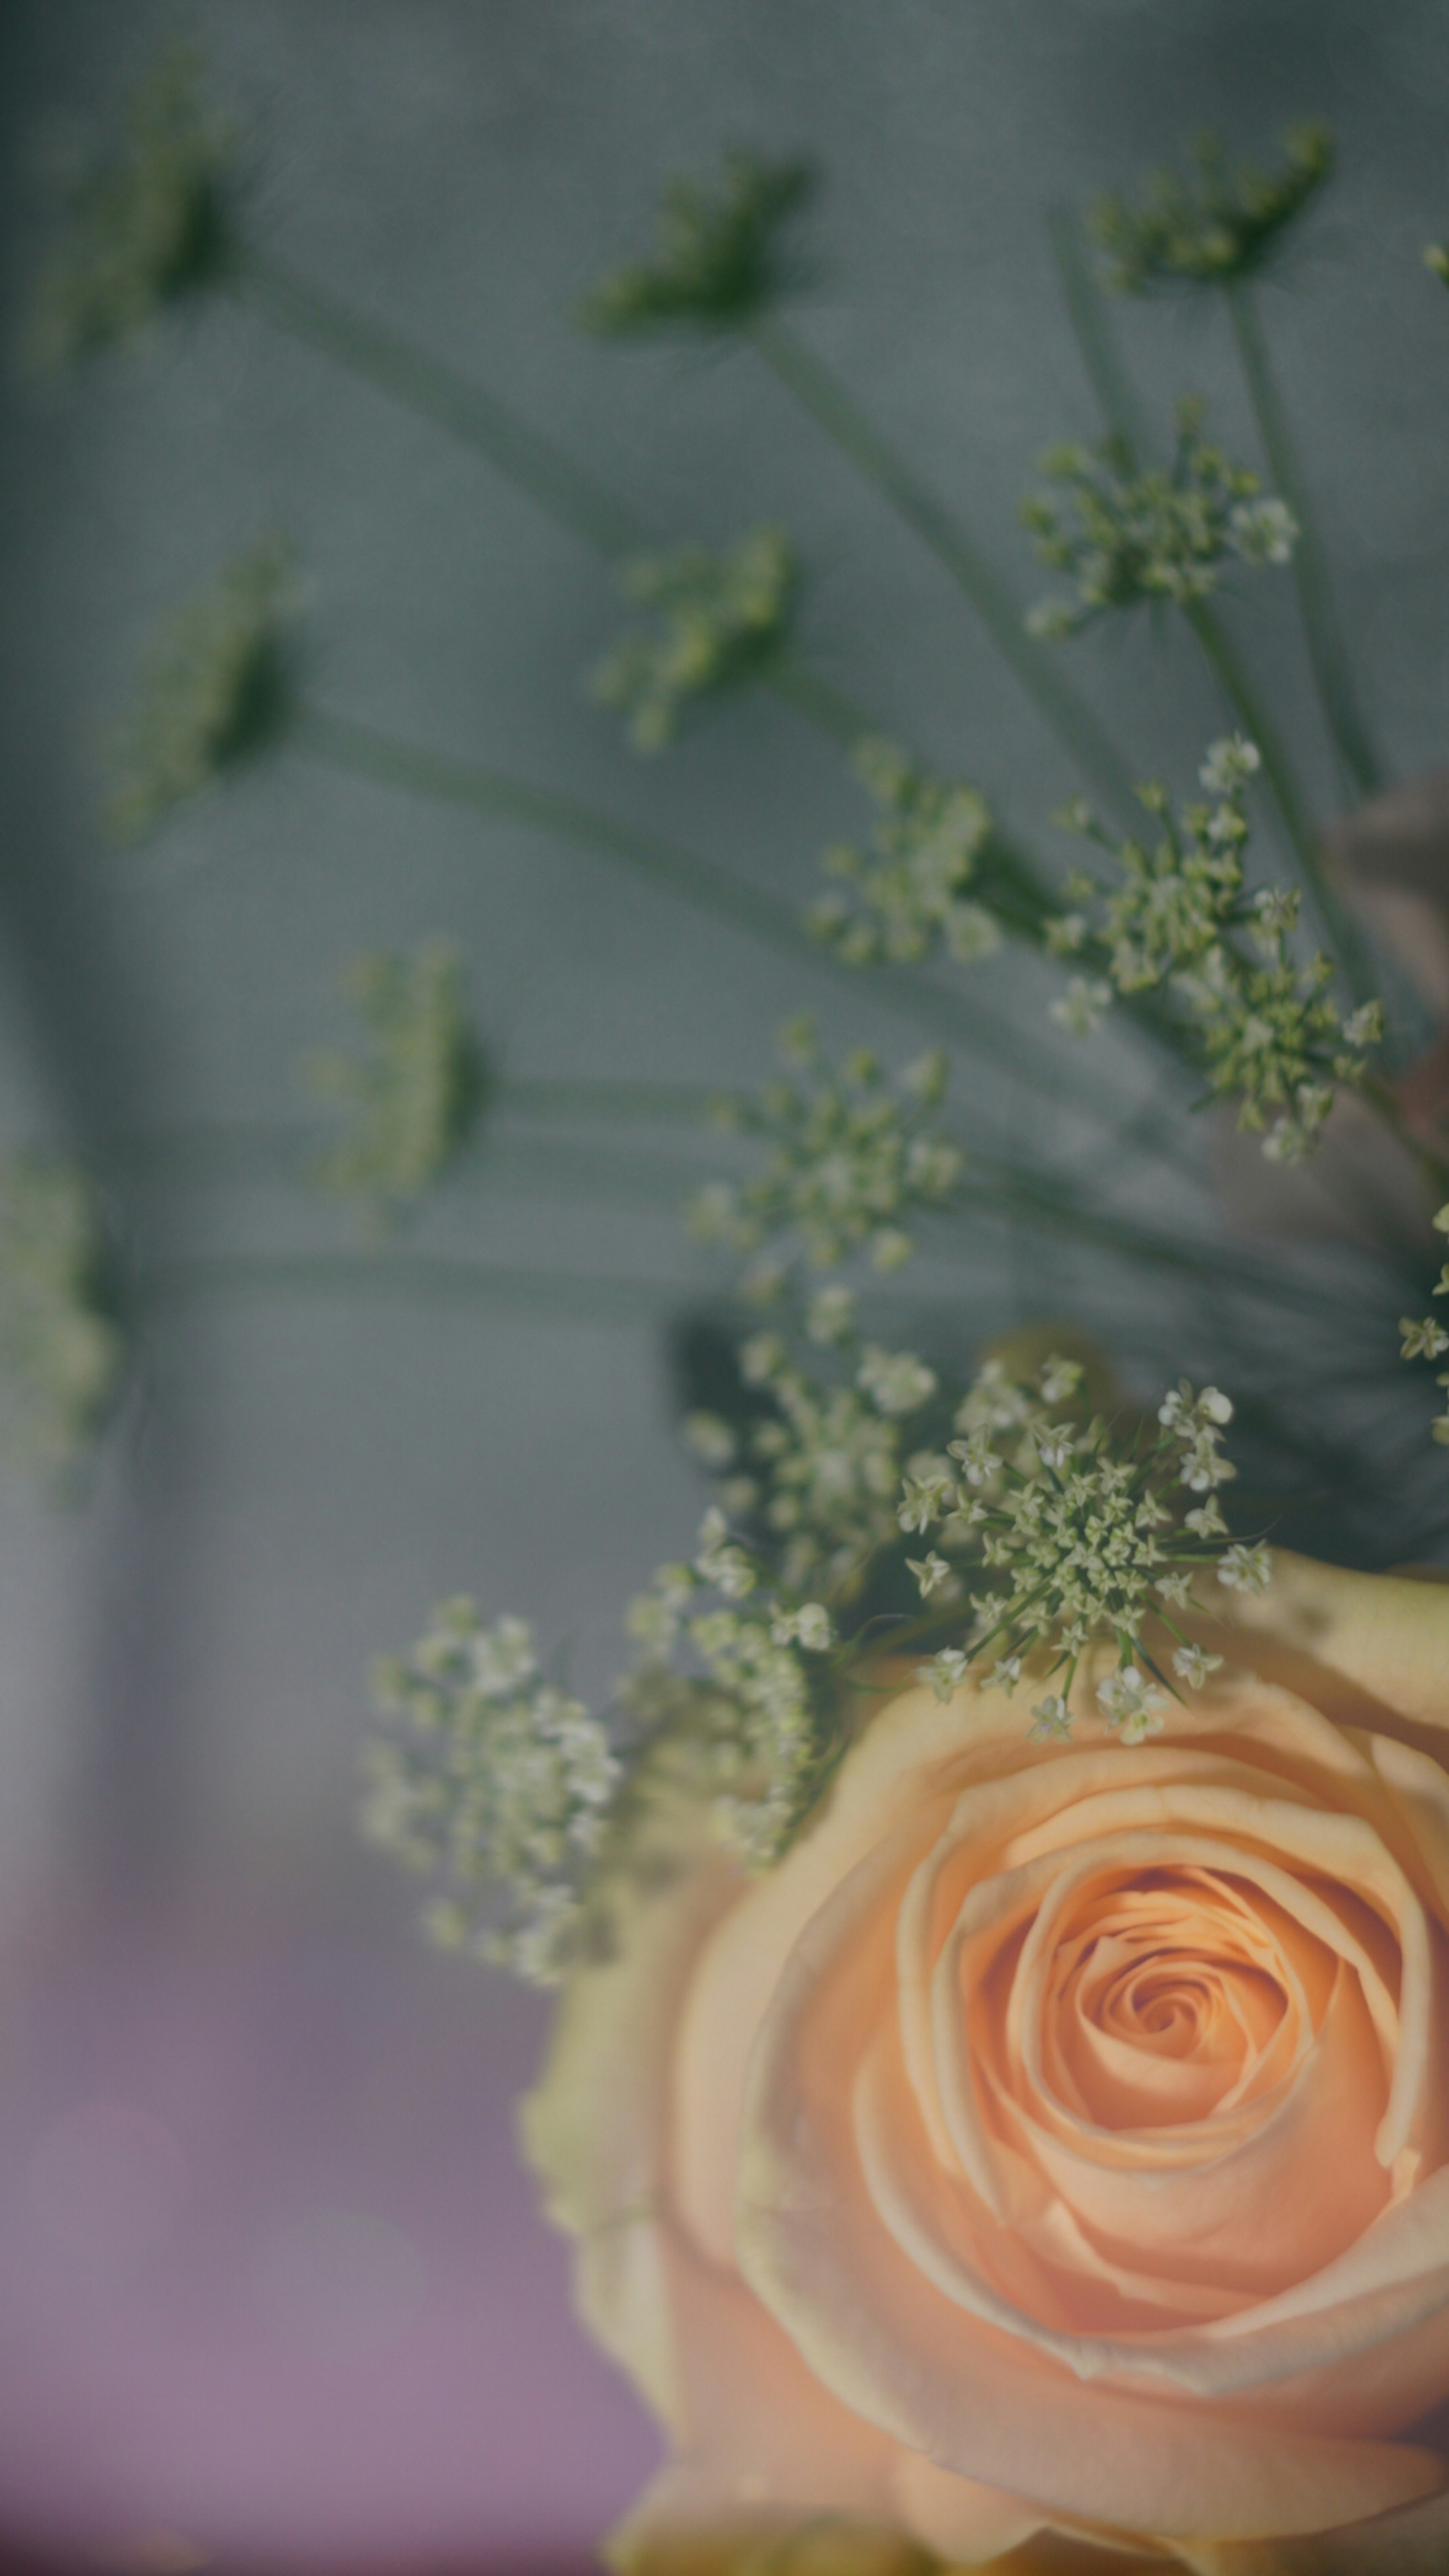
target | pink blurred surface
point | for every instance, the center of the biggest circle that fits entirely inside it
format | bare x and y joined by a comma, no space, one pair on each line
273,2283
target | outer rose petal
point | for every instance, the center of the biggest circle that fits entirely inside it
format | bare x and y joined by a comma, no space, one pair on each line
754,2429
687,2140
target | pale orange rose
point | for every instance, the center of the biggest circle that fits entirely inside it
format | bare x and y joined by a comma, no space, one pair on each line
1058,2138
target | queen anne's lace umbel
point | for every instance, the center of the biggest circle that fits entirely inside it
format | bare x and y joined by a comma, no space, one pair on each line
1179,919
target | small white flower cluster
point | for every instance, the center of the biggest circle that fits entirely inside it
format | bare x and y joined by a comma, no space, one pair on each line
1125,536
1428,1338
1092,1546
414,1097
765,1741
824,1468
719,260
911,895
719,618
213,689
1180,921
849,1157
61,1347
1217,226
495,1784
145,228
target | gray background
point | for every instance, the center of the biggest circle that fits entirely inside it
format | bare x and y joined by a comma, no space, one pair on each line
180,1663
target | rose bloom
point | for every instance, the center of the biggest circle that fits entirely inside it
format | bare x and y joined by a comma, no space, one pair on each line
1047,2163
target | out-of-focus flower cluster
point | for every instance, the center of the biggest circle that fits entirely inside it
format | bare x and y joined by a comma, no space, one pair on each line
720,258
61,1346
721,1620
145,228
213,689
1126,536
1179,920
414,1097
1091,1543
849,1156
719,618
1217,224
1425,1337
910,895
493,1784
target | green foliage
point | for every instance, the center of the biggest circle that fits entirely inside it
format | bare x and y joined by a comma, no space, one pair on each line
1092,1538
720,259
62,1350
848,1158
719,619
1217,224
1178,918
145,228
910,897
1125,537
214,689
414,1097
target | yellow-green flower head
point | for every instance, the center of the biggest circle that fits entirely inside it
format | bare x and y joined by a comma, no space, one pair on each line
909,896
1125,537
61,1345
214,688
720,258
1218,224
719,617
414,1097
146,227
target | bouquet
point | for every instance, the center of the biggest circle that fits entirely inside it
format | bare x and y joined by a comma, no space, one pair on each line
1000,2088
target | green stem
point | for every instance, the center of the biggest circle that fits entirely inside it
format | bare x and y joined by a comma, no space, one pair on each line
523,455
427,385
363,751
1096,343
1322,634
818,701
821,395
542,1295
1282,779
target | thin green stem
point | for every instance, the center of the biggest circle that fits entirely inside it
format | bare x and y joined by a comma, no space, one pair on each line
833,410
363,751
546,1296
1327,655
523,455
441,394
1096,342
818,701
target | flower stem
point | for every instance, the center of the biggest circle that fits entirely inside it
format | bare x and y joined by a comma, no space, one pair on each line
440,393
567,494
832,409
364,751
545,1295
1326,652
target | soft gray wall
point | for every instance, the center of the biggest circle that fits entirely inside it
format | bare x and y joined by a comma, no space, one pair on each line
301,1481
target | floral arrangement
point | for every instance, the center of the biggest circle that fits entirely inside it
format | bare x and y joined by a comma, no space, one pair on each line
1002,1913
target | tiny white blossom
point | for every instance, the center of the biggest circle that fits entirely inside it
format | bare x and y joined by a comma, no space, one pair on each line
895,1381
1229,764
929,1571
1193,1665
1423,1341
1051,1721
1083,1006
945,1672
830,1314
1246,1569
710,1438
